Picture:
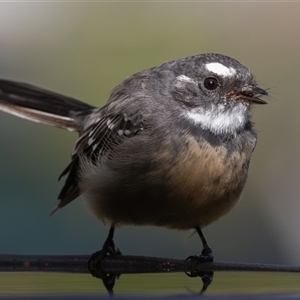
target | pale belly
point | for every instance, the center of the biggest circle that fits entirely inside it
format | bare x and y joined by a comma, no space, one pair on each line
195,188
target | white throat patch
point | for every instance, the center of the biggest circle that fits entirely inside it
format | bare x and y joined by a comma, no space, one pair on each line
220,69
219,119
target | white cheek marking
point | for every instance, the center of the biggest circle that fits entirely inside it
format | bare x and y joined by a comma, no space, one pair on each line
219,119
220,69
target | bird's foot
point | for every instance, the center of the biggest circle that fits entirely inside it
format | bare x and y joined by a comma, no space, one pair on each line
94,264
207,255
206,276
108,249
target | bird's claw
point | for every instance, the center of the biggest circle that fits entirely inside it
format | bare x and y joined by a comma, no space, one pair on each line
207,255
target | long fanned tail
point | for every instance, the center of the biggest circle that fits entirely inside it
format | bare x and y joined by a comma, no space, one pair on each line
39,105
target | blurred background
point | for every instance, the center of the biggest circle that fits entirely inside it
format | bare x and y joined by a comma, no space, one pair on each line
83,50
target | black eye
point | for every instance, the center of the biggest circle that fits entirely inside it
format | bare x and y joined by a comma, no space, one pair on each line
211,83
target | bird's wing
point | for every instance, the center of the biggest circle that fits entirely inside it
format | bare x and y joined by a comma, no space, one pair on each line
96,144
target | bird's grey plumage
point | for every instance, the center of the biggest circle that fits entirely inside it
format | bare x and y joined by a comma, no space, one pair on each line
170,148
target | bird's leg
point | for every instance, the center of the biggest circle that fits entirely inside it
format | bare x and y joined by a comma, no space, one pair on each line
94,263
108,248
206,256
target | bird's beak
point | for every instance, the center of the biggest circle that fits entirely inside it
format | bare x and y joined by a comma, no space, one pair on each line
250,95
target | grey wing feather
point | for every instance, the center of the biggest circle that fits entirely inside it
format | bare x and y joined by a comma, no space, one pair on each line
96,143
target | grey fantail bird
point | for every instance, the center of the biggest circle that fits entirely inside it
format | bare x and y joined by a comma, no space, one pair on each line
170,148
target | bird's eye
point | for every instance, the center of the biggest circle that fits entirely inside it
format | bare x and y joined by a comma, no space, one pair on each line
211,83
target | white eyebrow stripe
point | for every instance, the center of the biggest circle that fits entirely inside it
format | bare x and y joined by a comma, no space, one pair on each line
220,69
184,78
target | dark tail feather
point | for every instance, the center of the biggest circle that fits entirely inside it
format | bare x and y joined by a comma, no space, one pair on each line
39,105
46,107
70,190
